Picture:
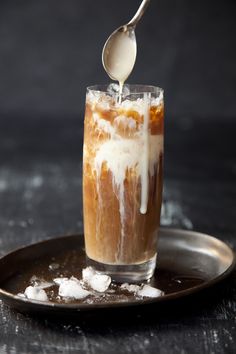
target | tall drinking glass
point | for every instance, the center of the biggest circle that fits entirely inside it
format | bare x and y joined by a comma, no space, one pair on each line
122,179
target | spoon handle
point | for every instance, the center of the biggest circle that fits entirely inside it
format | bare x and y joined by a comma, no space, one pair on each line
142,8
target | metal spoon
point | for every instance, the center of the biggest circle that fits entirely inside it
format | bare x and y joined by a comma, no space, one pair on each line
120,49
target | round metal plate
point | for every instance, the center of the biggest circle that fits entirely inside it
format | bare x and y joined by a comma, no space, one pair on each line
187,262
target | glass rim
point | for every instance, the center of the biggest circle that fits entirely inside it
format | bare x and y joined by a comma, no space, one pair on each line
134,89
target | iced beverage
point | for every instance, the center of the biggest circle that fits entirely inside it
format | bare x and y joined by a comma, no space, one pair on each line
122,179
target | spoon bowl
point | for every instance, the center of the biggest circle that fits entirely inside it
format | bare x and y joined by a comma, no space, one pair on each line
119,53
120,50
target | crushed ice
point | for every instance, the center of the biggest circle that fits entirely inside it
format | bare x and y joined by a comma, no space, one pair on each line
149,291
106,101
114,89
71,288
142,290
92,285
35,293
132,288
98,282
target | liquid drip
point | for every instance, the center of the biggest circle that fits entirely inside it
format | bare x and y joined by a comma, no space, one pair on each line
121,85
145,158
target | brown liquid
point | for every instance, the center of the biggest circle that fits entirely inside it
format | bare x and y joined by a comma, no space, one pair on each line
115,230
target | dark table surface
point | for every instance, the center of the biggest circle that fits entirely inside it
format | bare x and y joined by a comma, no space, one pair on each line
40,197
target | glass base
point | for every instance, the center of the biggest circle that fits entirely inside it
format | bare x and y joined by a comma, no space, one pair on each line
127,273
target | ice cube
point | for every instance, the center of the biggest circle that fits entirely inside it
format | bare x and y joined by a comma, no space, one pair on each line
137,105
113,89
87,274
132,288
71,288
97,281
126,122
35,293
125,90
100,282
149,291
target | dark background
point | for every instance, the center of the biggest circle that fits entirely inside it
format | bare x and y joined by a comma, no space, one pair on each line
50,50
